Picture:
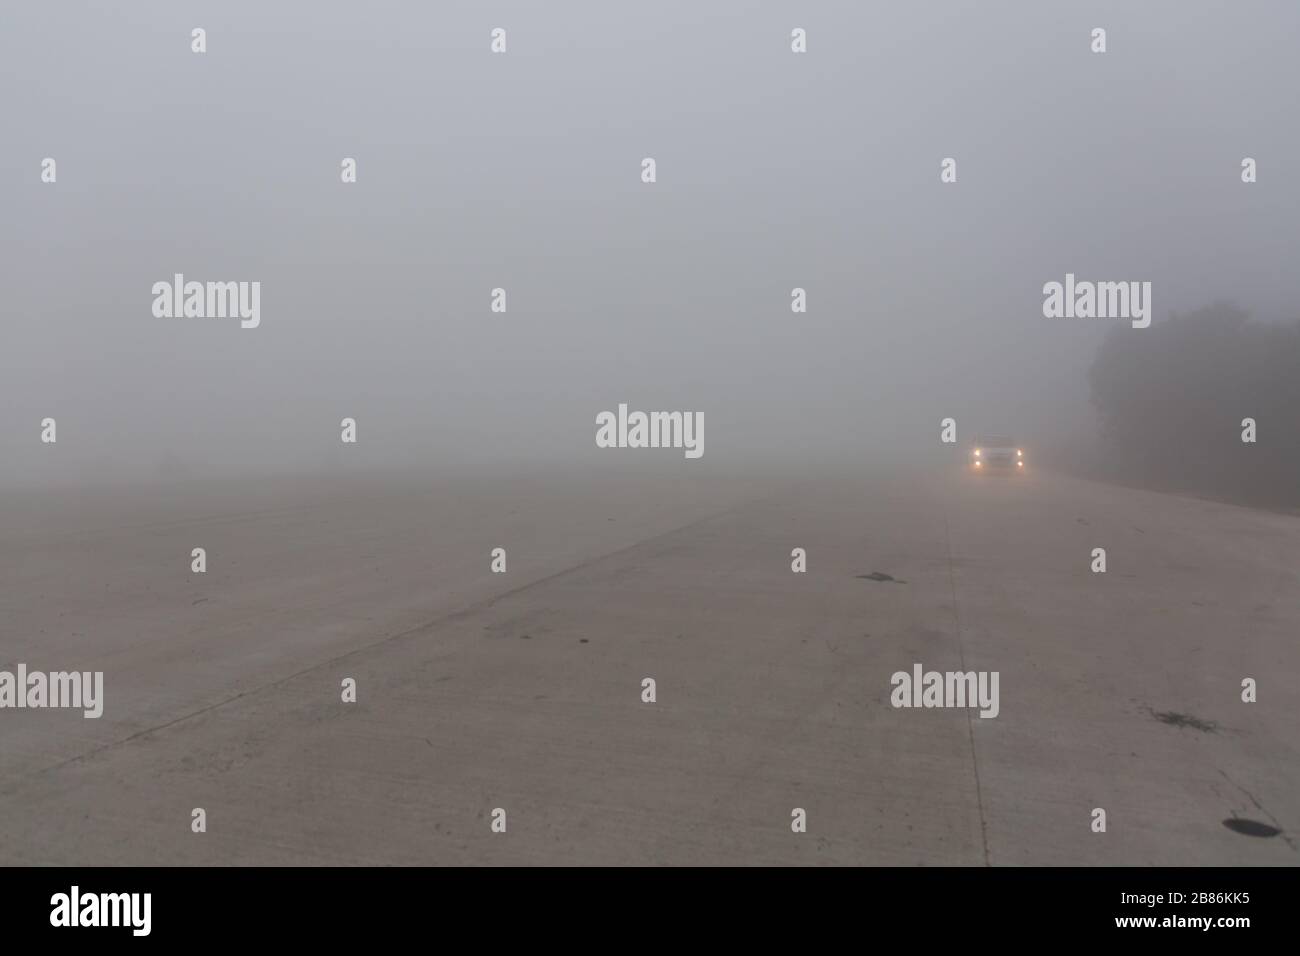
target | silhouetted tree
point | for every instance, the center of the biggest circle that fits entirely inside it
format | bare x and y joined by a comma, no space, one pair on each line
1171,401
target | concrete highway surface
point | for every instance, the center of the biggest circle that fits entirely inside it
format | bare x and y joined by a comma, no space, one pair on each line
523,691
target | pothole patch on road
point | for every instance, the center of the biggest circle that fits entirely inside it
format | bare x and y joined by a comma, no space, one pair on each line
879,576
1175,719
1250,827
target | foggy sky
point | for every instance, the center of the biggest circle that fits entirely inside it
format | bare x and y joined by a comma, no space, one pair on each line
522,170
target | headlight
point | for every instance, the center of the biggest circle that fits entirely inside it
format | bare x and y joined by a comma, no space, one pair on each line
1020,464
978,463
977,452
1019,453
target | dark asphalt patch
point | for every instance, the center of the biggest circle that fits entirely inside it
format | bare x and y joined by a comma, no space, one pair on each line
1250,827
1174,719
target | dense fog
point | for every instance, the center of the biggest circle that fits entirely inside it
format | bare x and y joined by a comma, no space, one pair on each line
523,171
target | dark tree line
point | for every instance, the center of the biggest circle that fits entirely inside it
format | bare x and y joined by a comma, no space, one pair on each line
1172,398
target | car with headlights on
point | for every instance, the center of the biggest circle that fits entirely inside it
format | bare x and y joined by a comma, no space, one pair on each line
998,453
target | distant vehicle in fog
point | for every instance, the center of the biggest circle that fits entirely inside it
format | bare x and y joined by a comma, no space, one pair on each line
997,453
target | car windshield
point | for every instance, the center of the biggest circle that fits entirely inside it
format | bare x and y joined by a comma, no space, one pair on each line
994,441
